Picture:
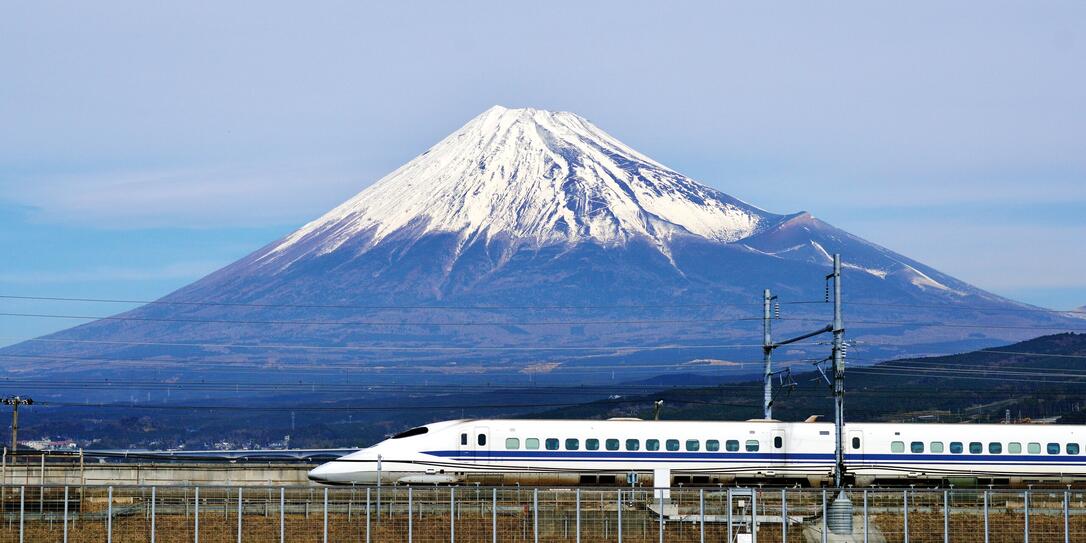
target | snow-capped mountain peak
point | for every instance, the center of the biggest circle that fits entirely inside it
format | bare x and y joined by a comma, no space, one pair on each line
535,178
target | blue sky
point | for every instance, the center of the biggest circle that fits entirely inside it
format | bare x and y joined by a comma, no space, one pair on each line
143,145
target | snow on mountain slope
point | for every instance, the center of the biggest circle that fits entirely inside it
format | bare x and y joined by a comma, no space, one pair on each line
535,177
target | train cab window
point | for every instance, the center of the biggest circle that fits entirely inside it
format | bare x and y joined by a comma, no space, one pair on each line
731,445
611,444
778,442
752,445
573,444
855,443
531,443
693,445
712,445
463,439
551,444
672,444
1014,447
412,432
956,447
976,447
481,440
995,448
1053,448
633,444
1072,448
935,446
512,443
652,444
916,446
1033,448
592,444
897,446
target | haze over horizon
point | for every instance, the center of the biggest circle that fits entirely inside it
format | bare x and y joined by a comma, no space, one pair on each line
145,146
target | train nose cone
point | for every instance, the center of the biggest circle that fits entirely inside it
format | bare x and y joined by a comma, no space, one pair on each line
330,473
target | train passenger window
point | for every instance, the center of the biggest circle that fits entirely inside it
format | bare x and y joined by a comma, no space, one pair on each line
633,444
592,444
712,445
1033,448
897,446
956,447
531,443
463,439
975,447
916,446
731,445
573,444
778,442
1014,447
551,444
693,444
1053,448
512,443
652,444
611,444
481,440
855,443
752,445
995,448
1072,448
672,444
936,446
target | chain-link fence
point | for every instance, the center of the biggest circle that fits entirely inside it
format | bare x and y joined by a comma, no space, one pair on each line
169,514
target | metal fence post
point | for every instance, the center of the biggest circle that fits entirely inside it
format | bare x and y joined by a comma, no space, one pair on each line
729,514
1066,517
326,514
986,515
535,515
1025,512
109,515
660,503
494,515
865,517
577,513
283,515
65,513
452,514
367,515
824,522
946,516
701,514
153,489
241,512
905,514
784,515
22,507
196,517
754,515
410,515
619,510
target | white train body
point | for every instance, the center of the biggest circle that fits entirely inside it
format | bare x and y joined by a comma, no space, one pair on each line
695,452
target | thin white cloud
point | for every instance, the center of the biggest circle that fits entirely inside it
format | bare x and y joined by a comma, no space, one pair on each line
177,270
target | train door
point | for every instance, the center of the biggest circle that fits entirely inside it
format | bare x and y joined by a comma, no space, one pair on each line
779,453
480,444
854,447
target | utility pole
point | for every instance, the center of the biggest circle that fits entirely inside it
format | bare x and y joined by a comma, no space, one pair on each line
767,352
838,373
15,402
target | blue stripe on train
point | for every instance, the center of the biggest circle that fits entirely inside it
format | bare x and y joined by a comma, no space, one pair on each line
609,456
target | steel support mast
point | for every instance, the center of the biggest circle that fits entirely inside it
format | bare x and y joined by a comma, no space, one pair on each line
767,352
838,374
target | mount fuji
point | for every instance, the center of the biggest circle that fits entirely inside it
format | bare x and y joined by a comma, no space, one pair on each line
532,244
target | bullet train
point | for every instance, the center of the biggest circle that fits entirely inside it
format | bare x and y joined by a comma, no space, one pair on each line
665,453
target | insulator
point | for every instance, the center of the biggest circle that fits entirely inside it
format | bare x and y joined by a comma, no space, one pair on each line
777,310
827,292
